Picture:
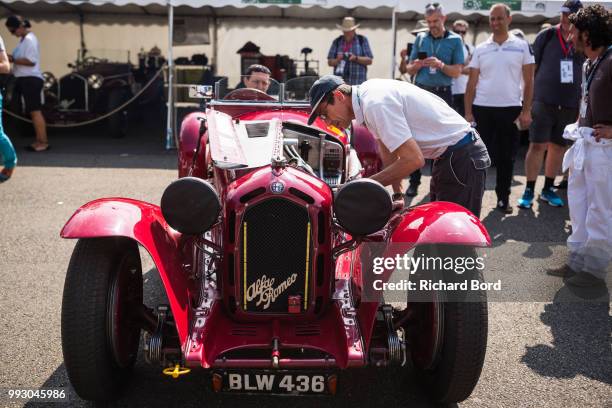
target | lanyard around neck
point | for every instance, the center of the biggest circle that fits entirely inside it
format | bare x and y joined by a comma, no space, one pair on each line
435,52
594,69
565,47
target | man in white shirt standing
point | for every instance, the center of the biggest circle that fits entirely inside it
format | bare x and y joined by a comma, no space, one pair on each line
411,125
493,96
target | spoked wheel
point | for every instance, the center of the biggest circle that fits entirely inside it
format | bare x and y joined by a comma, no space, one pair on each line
100,328
448,339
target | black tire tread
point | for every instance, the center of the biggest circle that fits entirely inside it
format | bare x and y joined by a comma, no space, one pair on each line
87,357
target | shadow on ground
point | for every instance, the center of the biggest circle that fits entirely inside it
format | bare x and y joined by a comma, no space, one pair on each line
581,340
92,147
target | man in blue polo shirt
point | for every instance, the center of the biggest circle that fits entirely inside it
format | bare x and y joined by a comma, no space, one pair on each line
436,58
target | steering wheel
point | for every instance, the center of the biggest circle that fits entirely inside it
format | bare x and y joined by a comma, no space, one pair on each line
248,94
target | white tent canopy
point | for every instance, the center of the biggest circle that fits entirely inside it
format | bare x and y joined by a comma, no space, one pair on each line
527,10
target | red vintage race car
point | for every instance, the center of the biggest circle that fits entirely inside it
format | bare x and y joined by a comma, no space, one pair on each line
265,245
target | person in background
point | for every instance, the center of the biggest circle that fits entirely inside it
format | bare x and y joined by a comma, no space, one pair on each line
555,105
29,79
420,27
458,85
256,77
350,53
7,151
589,160
436,58
493,97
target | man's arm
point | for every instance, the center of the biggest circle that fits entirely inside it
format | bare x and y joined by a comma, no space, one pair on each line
400,163
525,116
470,92
361,60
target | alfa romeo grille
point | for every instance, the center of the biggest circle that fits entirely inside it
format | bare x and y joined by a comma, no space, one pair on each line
276,246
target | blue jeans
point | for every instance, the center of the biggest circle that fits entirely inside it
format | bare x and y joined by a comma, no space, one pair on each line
7,151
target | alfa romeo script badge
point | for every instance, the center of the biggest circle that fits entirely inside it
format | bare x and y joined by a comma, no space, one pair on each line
277,187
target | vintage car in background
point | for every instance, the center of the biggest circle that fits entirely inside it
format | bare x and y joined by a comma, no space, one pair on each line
99,84
264,245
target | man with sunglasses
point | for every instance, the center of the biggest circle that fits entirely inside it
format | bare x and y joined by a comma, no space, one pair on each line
436,58
411,125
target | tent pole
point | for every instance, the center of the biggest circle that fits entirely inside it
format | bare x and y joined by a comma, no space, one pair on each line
394,31
170,116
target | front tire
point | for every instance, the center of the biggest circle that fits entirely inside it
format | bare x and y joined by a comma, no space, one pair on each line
100,330
448,339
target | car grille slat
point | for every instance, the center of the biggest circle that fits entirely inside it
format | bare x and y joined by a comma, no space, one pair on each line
276,240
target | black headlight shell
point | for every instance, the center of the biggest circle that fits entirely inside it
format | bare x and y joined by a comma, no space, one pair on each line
363,207
191,205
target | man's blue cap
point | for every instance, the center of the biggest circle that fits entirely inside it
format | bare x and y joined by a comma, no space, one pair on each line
571,6
319,90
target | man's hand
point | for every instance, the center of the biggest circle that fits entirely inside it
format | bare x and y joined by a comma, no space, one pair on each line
525,119
602,132
404,53
469,117
10,58
433,62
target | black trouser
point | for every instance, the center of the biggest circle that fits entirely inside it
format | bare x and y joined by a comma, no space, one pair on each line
458,104
500,135
446,94
459,176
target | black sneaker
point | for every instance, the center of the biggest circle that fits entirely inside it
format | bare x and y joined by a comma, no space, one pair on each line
562,185
413,190
504,206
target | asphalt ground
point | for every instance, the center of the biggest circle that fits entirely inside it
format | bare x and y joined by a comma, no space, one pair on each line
547,353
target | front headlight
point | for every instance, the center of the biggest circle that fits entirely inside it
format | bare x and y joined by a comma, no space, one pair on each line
95,81
48,80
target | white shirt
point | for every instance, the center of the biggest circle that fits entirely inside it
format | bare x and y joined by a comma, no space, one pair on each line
459,84
27,48
397,111
501,71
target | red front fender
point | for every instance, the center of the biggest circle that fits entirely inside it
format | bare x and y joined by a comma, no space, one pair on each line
439,222
144,223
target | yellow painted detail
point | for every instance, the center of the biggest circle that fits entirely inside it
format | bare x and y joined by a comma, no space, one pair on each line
176,371
244,260
307,266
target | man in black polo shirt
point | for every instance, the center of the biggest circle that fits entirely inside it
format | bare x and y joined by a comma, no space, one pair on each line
436,58
555,104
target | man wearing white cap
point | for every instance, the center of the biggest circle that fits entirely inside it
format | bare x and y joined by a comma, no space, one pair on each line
350,53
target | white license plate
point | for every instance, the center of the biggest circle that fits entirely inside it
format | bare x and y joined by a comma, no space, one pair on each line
275,382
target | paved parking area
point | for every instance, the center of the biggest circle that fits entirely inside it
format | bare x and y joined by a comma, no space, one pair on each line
550,353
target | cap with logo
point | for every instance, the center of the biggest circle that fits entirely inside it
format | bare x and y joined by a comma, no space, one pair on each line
319,90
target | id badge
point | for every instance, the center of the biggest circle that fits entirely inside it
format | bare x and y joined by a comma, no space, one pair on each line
433,70
567,72
583,108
